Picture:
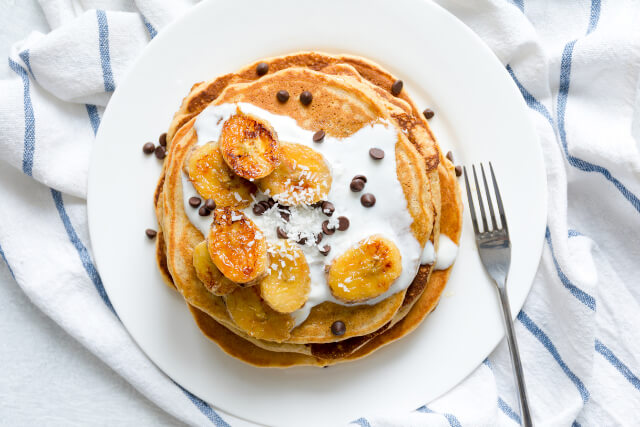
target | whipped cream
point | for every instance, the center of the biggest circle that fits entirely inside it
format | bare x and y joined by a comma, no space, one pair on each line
346,158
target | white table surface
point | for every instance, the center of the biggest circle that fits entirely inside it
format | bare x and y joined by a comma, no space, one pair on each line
46,377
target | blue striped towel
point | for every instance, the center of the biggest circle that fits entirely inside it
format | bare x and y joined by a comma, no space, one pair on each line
577,65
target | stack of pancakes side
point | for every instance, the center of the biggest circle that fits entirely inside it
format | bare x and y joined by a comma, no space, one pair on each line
349,93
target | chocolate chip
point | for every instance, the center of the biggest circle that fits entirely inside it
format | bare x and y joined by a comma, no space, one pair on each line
271,203
151,234
306,97
203,211
283,96
160,152
265,205
302,241
362,177
396,87
262,68
148,148
428,113
319,237
368,200
194,202
163,139
356,185
458,170
338,328
327,208
281,233
343,223
210,204
376,153
317,204
258,209
450,156
325,251
326,229
318,136
284,212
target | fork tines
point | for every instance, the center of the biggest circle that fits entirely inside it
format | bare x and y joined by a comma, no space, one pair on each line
481,203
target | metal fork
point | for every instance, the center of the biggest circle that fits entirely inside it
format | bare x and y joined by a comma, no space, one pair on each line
494,247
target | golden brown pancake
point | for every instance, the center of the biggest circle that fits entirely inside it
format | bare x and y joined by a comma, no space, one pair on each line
348,93
355,348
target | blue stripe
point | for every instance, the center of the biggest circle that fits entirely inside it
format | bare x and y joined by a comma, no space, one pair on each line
565,83
362,422
617,363
105,56
29,120
206,410
152,31
594,18
94,117
85,258
574,233
453,421
504,407
531,101
7,262
519,3
551,348
24,55
508,411
581,295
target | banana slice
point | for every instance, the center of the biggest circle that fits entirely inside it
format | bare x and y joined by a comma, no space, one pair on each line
365,271
249,146
303,176
256,318
236,246
287,286
213,179
209,274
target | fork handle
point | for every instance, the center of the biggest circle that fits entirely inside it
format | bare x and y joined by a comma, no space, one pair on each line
515,357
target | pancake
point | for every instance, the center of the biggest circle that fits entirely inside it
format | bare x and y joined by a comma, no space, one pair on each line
348,94
325,355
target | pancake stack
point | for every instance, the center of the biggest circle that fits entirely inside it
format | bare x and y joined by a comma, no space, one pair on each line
280,260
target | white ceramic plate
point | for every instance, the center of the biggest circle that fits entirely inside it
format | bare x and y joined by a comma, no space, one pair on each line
480,115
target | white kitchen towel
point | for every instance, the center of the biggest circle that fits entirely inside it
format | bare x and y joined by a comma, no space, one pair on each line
577,65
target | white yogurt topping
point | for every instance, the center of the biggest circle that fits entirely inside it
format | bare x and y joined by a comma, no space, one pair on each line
445,256
447,252
428,254
346,158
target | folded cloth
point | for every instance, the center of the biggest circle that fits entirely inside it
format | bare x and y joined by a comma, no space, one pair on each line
577,65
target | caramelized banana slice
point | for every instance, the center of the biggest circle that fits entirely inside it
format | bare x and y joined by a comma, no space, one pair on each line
255,317
213,179
249,146
236,246
303,176
287,286
209,274
365,271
